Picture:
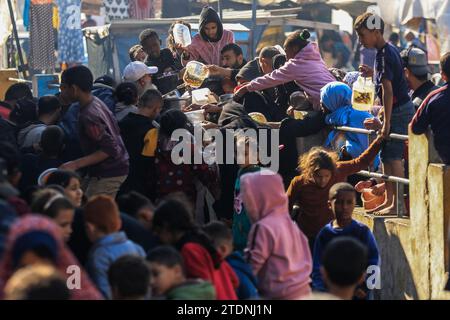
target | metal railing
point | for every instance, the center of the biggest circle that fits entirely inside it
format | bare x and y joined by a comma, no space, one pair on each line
376,175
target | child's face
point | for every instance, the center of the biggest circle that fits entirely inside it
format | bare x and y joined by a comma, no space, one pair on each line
226,248
64,219
343,205
322,177
152,47
73,192
211,30
164,278
368,38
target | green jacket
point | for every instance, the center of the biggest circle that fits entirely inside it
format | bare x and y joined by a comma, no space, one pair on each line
241,223
193,290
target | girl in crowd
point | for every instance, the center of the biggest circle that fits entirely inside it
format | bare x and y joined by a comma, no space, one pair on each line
53,204
305,67
320,170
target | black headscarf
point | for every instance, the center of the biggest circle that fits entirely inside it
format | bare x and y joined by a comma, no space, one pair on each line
208,15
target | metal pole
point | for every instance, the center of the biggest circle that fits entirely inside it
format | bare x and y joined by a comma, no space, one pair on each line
22,68
219,8
253,44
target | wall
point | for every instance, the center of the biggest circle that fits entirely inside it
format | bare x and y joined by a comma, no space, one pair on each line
414,251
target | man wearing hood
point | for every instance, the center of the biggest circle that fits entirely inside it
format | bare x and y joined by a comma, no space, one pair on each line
207,45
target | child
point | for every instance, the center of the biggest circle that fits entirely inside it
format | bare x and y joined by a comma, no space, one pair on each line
129,278
32,165
305,66
342,201
34,240
168,277
241,223
344,267
127,98
137,206
48,112
160,58
392,90
137,53
206,46
222,238
71,182
336,98
105,155
140,134
181,177
103,223
57,207
37,282
174,225
277,250
320,170
434,112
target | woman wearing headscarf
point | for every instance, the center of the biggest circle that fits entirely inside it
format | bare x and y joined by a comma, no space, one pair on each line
36,239
336,99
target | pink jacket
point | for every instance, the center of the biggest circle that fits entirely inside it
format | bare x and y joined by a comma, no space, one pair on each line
209,52
277,250
307,69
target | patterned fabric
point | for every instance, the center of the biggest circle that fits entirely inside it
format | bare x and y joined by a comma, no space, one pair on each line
141,9
70,36
116,9
42,37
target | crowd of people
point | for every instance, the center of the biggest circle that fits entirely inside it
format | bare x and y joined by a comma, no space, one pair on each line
88,179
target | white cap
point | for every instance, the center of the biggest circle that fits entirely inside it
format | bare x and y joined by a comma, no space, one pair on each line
136,70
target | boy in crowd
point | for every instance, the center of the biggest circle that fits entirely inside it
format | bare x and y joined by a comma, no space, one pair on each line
14,93
140,134
344,264
435,112
137,53
137,206
49,112
163,59
129,278
103,222
168,277
105,154
222,239
342,201
392,90
417,72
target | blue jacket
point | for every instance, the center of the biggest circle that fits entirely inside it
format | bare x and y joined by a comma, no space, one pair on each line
247,281
7,218
104,252
337,98
355,230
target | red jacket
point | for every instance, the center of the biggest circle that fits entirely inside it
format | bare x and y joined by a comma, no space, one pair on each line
199,264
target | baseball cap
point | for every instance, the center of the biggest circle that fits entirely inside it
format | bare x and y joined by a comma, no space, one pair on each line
417,61
136,70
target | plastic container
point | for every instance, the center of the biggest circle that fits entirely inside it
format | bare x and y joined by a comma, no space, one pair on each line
196,116
42,179
258,117
363,94
195,74
299,115
200,96
181,34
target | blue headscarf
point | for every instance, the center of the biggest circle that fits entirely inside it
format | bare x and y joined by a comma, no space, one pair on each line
337,98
